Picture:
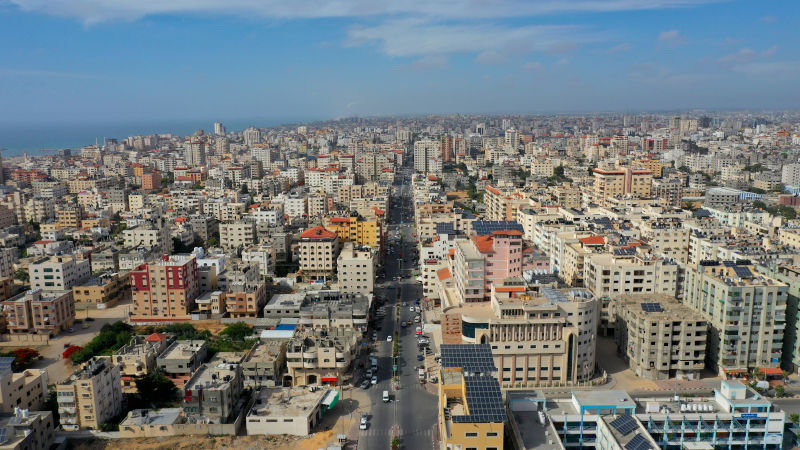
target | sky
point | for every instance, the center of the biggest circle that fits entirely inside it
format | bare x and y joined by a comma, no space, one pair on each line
112,61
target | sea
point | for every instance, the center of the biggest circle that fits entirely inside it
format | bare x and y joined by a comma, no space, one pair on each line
42,139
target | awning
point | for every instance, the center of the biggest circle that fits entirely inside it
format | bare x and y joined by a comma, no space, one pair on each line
772,371
331,399
329,379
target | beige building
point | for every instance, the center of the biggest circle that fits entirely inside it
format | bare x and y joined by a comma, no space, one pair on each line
609,275
660,337
263,364
237,234
59,272
667,238
273,414
35,311
149,236
318,251
539,336
25,390
105,290
746,313
314,358
622,182
138,358
356,269
27,430
213,391
90,397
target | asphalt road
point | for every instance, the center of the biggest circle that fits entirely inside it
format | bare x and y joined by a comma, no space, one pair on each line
412,410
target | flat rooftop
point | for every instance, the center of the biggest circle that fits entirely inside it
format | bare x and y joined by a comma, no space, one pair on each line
604,398
212,377
286,402
140,417
265,351
182,349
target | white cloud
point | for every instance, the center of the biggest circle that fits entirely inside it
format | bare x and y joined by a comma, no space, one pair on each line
533,66
623,47
670,37
491,57
416,37
93,11
742,56
431,62
768,19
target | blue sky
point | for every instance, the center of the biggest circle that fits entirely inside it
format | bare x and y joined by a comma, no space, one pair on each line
64,61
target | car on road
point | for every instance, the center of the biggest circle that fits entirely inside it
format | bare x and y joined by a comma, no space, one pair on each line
89,319
363,424
416,319
403,324
420,357
389,338
365,384
411,309
369,373
71,329
419,330
374,379
67,345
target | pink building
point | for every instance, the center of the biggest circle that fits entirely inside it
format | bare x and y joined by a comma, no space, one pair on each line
486,260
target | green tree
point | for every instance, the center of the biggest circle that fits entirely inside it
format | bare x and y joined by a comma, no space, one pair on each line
795,418
52,402
212,242
244,189
155,388
237,331
684,169
21,275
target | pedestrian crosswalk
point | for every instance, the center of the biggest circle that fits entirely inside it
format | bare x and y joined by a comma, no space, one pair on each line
388,432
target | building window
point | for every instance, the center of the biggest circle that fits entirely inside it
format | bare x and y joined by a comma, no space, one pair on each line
472,434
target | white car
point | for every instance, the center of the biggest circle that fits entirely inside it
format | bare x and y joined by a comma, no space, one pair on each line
389,338
374,379
411,309
363,425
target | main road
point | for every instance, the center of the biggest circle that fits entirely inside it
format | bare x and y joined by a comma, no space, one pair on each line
411,414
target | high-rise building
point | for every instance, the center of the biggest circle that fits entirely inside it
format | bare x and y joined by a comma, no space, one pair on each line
59,272
194,153
319,248
252,136
165,289
447,148
609,184
219,129
427,157
790,174
511,139
746,313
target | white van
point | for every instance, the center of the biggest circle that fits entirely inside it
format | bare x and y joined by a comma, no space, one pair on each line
385,396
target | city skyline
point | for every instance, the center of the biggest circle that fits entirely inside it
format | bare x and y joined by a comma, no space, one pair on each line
115,62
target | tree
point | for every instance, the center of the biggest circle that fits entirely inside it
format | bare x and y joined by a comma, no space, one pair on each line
237,331
52,402
244,189
23,357
780,391
70,350
21,275
684,169
156,388
795,418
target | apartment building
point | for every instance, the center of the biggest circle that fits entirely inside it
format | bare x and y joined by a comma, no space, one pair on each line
263,364
659,337
90,397
165,289
58,273
181,360
609,275
149,235
609,184
104,290
667,237
318,251
669,191
213,391
25,390
239,234
746,313
335,310
539,336
37,311
138,358
245,299
8,256
361,232
264,255
470,404
487,259
356,269
320,358
502,205
25,429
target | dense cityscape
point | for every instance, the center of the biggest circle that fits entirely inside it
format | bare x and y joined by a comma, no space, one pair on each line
456,281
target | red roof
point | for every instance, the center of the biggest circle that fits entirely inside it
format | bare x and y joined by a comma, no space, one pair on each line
443,274
507,232
340,220
156,337
484,243
593,240
492,190
318,232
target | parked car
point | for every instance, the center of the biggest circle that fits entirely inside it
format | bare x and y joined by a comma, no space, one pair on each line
363,425
365,384
374,380
389,338
420,357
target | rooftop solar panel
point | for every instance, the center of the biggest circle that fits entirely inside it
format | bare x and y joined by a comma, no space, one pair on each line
486,227
554,295
471,358
652,307
624,424
484,400
639,442
743,272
